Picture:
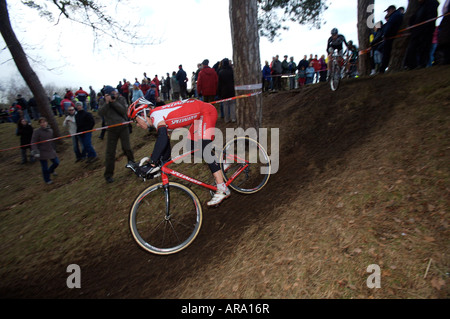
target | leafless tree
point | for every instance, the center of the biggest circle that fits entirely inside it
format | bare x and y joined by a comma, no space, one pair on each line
86,12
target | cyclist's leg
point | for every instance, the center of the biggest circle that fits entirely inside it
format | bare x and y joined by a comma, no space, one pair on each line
207,129
210,158
209,113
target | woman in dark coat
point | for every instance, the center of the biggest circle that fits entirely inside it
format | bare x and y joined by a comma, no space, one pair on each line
226,90
44,151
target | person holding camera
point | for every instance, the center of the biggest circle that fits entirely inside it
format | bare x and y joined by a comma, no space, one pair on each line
114,110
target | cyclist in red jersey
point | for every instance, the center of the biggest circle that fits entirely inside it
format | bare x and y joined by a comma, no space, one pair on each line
202,119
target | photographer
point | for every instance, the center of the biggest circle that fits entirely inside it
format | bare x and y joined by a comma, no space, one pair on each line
114,109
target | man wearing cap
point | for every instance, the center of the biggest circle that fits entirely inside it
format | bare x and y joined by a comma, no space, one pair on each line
207,82
394,20
114,109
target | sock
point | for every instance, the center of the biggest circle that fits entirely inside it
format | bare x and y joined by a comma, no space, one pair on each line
222,187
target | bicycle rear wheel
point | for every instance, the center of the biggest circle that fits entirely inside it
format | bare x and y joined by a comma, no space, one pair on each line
165,219
246,162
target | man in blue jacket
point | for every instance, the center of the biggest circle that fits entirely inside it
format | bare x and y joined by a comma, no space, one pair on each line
267,79
394,20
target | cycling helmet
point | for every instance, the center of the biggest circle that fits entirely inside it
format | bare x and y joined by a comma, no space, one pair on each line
334,31
138,106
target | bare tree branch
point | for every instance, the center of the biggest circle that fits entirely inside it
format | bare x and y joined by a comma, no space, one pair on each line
95,16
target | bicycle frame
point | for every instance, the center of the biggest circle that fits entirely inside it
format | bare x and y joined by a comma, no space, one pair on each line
166,171
335,56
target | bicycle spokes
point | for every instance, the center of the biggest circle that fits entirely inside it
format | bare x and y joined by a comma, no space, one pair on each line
165,219
245,165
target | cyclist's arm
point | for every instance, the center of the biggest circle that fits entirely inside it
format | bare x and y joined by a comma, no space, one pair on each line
345,41
329,46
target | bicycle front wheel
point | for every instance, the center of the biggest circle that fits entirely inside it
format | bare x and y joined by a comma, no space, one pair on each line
245,162
335,76
165,219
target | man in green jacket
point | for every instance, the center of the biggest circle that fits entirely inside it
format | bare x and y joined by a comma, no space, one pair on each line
114,109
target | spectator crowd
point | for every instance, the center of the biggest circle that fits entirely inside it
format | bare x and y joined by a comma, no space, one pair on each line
208,84
428,45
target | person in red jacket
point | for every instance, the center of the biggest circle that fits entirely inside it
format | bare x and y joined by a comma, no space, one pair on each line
126,90
69,94
82,96
157,83
145,86
207,82
316,65
65,104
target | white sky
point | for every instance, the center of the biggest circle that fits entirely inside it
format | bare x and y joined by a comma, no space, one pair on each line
190,31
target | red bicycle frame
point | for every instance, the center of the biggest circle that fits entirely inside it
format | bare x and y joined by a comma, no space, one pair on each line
165,171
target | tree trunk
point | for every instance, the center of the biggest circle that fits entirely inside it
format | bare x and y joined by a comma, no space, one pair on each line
365,26
246,60
401,44
28,74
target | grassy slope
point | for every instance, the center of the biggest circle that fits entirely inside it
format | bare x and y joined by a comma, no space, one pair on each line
384,201
377,197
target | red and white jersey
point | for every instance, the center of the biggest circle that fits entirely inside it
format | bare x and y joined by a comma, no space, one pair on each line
184,113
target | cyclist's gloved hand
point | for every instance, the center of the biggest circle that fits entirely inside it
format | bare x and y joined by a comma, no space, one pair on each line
147,161
147,169
144,161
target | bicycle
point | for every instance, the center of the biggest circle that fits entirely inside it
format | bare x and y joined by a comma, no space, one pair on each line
336,70
165,218
349,67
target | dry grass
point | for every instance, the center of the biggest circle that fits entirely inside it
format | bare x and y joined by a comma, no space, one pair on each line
386,203
384,200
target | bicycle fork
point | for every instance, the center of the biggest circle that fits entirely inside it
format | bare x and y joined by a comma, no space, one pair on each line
167,200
